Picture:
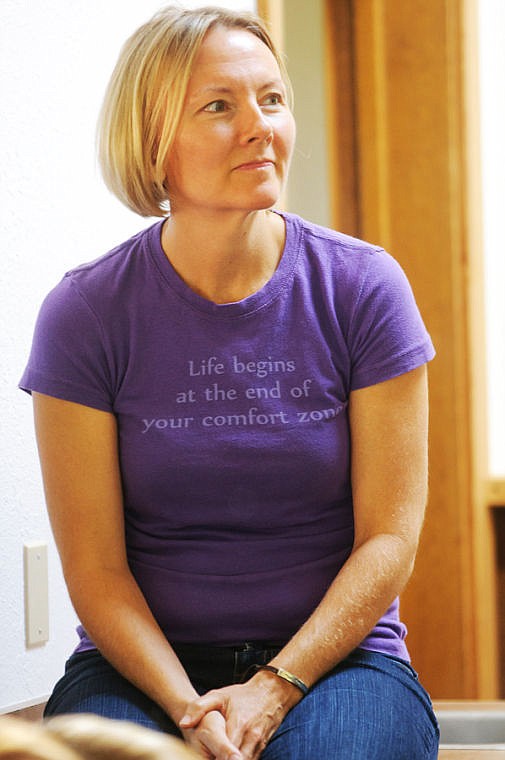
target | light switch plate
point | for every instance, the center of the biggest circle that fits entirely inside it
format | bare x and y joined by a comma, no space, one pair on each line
36,593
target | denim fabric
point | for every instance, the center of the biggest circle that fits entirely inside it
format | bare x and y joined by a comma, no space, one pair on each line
370,707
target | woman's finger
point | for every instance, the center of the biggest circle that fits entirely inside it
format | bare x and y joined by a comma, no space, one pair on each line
196,710
211,740
254,741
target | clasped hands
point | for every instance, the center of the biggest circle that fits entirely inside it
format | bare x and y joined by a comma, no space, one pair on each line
237,722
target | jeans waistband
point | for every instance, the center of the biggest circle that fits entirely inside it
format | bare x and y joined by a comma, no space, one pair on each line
215,666
241,648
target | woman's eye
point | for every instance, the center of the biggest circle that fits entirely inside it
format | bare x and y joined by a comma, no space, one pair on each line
273,99
217,106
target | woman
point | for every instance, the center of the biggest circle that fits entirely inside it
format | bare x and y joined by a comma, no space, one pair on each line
231,416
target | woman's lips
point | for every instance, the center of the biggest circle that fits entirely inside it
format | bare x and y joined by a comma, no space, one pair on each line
251,165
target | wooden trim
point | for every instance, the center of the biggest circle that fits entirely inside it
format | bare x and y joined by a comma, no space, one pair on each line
483,527
470,705
271,11
372,121
470,753
402,87
464,462
341,115
413,197
495,492
33,713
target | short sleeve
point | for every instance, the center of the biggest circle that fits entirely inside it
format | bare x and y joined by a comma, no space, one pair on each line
387,336
69,357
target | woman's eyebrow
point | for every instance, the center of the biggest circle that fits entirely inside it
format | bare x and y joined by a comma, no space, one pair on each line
212,89
209,90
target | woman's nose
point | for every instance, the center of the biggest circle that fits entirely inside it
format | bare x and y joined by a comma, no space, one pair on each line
255,126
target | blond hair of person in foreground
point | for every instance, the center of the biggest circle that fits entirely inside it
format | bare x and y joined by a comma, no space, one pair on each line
86,737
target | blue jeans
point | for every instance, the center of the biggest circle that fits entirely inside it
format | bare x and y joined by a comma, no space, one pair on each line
370,707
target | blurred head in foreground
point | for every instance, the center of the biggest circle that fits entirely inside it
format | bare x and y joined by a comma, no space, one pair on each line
86,737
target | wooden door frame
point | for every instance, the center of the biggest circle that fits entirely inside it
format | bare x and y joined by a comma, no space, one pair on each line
403,136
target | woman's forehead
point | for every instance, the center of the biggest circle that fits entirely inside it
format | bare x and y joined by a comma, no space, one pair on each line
228,55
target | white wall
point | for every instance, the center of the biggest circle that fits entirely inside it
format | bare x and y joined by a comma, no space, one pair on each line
492,81
55,59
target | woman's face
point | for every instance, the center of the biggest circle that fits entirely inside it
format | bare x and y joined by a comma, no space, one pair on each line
234,143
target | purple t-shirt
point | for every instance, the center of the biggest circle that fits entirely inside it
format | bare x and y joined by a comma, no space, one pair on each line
233,424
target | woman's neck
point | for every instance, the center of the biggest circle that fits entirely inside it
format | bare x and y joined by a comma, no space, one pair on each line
226,259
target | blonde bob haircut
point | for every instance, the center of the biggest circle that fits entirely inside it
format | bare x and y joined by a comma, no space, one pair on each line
145,97
86,737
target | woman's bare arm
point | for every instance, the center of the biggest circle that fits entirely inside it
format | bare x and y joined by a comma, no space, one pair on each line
389,471
78,452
